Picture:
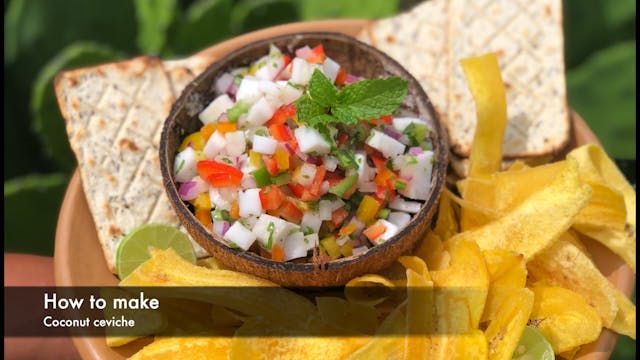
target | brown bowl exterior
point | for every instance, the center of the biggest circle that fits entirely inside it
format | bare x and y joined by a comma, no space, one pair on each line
357,58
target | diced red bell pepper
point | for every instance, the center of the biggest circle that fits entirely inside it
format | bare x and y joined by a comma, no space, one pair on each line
280,132
342,77
290,212
286,59
374,231
342,139
271,164
383,176
296,189
218,174
283,114
317,55
379,162
384,194
271,197
338,217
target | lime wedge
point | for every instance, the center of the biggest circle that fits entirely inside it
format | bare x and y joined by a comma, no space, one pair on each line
533,346
134,248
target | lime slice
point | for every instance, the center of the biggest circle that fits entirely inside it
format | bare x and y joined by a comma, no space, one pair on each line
134,248
533,346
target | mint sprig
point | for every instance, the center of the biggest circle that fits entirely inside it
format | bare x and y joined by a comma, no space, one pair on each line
362,100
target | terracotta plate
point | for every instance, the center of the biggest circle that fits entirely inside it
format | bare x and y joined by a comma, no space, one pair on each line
78,255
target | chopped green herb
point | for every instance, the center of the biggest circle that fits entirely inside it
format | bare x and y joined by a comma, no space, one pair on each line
399,185
261,132
307,230
346,159
232,245
411,160
270,228
180,166
281,179
220,215
227,160
383,213
416,133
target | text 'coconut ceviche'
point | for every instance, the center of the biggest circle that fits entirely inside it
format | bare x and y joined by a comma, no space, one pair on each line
295,155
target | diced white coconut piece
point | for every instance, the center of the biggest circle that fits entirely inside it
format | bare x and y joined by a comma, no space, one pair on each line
398,218
359,250
365,172
249,90
278,231
310,140
301,71
236,143
418,169
214,145
249,202
401,123
388,146
325,209
337,204
390,231
287,92
264,144
405,205
330,163
240,235
297,245
185,165
330,68
311,220
260,112
215,108
368,187
304,174
222,198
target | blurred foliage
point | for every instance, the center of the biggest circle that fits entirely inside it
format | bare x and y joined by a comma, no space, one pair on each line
43,37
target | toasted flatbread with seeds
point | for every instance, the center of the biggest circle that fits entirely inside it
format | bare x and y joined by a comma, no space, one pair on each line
114,115
527,36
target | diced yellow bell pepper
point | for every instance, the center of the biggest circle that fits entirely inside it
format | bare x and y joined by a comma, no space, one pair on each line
346,249
255,158
202,202
331,247
282,159
367,209
196,140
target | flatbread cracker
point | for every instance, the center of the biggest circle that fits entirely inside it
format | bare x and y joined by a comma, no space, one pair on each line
527,36
114,115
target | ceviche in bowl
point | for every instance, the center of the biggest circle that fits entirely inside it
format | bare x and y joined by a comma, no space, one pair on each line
307,159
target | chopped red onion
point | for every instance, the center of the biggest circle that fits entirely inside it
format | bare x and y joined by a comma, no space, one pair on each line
232,90
223,117
279,71
301,155
392,132
416,150
191,189
352,78
289,149
304,52
313,160
224,83
220,227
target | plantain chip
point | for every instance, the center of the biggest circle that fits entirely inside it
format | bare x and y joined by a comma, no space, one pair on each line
471,346
432,252
211,263
625,321
420,303
485,82
504,330
447,221
259,298
605,209
359,318
187,348
566,265
620,242
148,322
506,270
370,289
564,318
384,346
539,220
461,288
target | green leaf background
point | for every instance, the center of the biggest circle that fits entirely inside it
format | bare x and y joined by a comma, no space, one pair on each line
43,37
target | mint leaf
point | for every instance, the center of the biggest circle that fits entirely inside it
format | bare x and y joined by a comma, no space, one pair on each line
308,109
369,99
322,119
321,126
321,89
416,133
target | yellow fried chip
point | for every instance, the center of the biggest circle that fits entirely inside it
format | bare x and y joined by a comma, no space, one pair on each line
432,252
223,317
211,263
462,287
359,318
507,269
420,303
447,222
564,318
625,321
517,165
620,242
485,83
259,298
596,166
605,209
187,348
505,329
384,345
147,322
564,264
539,220
370,289
470,346
255,340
